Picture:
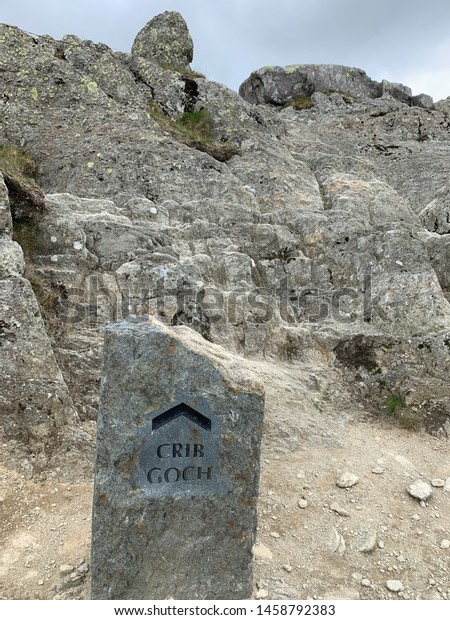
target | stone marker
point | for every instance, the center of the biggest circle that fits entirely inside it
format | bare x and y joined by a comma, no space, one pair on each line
177,469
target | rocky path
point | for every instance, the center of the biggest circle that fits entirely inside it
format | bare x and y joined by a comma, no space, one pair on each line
367,538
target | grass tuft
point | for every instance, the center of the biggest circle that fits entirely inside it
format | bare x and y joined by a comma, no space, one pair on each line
394,402
16,162
302,102
20,171
185,72
195,130
404,416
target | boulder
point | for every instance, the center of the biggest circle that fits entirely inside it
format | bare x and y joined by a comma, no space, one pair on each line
166,40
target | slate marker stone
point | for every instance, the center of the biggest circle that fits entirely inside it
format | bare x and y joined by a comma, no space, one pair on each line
177,471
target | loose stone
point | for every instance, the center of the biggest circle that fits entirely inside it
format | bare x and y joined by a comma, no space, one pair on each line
66,569
438,483
378,470
274,535
302,503
393,585
420,490
337,542
445,544
261,552
369,543
338,510
262,594
347,480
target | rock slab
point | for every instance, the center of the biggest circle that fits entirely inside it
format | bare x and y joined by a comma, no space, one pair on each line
177,468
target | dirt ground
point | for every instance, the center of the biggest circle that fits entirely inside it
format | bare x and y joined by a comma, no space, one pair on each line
315,540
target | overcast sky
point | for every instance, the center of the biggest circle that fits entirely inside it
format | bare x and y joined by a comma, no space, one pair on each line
404,41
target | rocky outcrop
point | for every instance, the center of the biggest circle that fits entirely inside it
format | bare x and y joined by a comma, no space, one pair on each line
165,40
283,85
278,85
322,233
443,106
37,411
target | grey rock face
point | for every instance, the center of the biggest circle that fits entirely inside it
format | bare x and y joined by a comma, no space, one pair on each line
443,105
5,211
177,467
397,91
423,101
277,85
37,411
282,85
166,40
436,215
266,253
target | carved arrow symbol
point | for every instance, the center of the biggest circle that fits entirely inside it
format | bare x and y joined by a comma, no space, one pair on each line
181,410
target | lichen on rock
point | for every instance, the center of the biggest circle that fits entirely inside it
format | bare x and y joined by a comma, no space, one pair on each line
165,40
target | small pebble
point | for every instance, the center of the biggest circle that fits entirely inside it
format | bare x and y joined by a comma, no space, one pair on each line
261,552
66,569
261,594
369,543
420,490
380,544
347,480
288,568
393,585
302,503
274,535
438,483
445,544
337,542
40,582
338,510
366,583
378,470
